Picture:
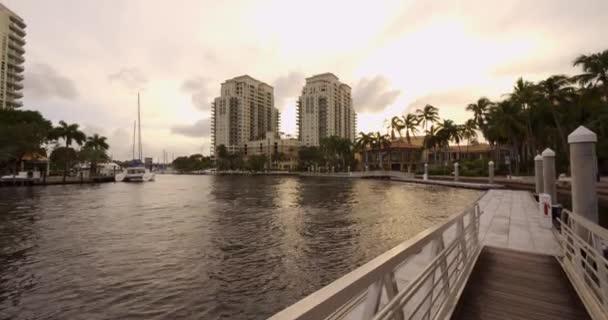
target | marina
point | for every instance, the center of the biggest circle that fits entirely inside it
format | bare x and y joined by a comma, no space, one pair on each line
334,170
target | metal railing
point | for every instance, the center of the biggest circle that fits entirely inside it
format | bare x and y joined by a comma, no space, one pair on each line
584,248
421,278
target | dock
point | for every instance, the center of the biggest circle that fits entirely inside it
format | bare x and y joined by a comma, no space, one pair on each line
54,180
403,177
495,260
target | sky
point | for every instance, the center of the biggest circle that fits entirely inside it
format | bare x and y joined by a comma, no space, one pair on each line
86,60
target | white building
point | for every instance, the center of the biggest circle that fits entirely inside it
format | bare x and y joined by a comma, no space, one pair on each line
243,112
282,154
325,109
12,37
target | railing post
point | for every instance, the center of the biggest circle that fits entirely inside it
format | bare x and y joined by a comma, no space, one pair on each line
456,173
460,233
538,173
439,246
549,174
372,300
390,284
491,171
583,179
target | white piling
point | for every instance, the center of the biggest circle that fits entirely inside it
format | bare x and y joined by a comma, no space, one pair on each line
538,173
549,174
583,166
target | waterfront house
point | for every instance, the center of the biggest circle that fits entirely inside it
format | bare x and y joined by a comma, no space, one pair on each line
402,155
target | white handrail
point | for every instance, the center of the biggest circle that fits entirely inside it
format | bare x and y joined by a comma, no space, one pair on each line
420,278
584,247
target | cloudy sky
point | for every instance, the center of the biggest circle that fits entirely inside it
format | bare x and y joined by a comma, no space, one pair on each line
87,59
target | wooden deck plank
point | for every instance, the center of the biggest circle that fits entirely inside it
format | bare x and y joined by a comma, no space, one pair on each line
508,284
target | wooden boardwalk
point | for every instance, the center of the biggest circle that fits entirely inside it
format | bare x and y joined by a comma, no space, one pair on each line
510,284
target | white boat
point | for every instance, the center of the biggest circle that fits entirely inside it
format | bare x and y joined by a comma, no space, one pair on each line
136,174
136,171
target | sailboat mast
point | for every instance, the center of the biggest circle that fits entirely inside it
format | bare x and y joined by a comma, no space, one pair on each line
134,136
139,127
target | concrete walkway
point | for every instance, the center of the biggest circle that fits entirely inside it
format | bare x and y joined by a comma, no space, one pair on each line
457,184
511,220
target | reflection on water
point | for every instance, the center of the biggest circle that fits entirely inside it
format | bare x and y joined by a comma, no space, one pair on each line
198,247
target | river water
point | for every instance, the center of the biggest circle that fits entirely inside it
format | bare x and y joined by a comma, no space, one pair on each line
199,247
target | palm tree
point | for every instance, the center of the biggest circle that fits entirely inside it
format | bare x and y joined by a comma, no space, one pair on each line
427,115
363,141
410,125
506,125
98,147
479,110
430,141
595,67
396,125
379,143
69,133
524,94
557,90
448,131
469,131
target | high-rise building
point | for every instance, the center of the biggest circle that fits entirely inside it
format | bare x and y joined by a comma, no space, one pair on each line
325,109
243,112
12,34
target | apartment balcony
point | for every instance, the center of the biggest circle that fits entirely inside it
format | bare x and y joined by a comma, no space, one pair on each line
15,83
18,22
16,29
14,67
18,48
15,56
14,74
16,39
13,93
14,103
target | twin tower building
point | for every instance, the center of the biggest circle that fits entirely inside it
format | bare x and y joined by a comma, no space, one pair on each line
245,119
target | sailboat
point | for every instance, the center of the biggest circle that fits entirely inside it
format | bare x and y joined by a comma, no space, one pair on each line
136,171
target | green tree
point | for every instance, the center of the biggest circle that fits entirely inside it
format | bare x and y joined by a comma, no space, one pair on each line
362,143
21,132
427,116
94,150
194,162
309,156
479,109
60,156
381,143
525,95
70,133
595,71
507,126
257,162
469,131
447,131
396,125
556,90
410,125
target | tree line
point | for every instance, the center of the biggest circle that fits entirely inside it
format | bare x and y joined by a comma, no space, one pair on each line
534,116
26,132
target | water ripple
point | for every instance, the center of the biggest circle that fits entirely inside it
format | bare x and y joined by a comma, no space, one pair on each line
198,247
